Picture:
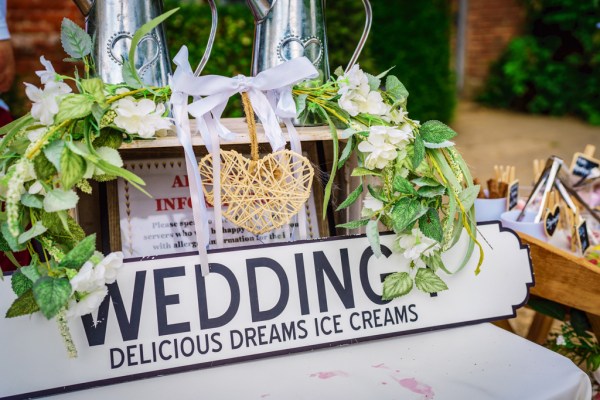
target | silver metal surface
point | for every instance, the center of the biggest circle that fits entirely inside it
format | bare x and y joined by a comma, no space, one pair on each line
211,38
286,29
112,24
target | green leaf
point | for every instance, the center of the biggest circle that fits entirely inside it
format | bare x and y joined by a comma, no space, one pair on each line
143,31
395,88
436,132
425,181
396,285
51,294
300,101
427,281
346,152
72,168
80,254
20,283
8,131
468,195
354,224
419,151
339,71
402,185
12,241
31,271
406,211
32,200
24,305
37,229
58,199
351,197
374,82
4,247
431,191
44,169
94,87
377,192
74,106
53,153
373,236
130,75
75,41
360,171
431,226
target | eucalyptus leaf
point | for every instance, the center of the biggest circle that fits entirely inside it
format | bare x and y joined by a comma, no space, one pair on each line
468,195
32,200
23,305
360,171
75,258
73,106
396,285
431,226
51,294
354,224
37,229
427,281
75,41
373,236
72,166
352,197
436,132
59,199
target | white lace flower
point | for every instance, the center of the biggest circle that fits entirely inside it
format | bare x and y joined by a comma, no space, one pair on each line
48,74
372,104
45,102
371,205
349,101
380,152
143,117
353,80
89,303
395,136
415,245
87,279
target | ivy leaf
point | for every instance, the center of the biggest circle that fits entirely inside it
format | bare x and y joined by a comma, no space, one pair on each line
24,305
396,285
12,241
402,185
74,106
354,224
431,191
468,195
395,88
37,229
58,199
51,294
419,151
436,132
431,226
80,253
374,82
351,198
428,282
44,169
94,87
406,211
75,41
360,171
373,236
300,101
32,200
20,283
53,153
72,168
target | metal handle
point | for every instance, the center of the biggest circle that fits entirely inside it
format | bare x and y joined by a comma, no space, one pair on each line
365,35
211,38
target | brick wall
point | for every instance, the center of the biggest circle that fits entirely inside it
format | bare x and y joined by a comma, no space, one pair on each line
490,26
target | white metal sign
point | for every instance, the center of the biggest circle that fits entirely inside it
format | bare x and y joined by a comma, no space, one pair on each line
162,316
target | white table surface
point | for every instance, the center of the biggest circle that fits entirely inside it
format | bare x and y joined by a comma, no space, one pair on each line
474,362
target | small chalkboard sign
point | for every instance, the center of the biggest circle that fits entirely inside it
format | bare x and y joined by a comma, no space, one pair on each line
512,195
582,165
551,220
582,237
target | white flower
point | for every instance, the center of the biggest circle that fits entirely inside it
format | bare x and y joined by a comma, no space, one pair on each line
143,117
87,304
45,102
380,152
371,205
352,80
87,279
393,135
48,74
415,245
349,101
35,134
560,340
373,104
110,266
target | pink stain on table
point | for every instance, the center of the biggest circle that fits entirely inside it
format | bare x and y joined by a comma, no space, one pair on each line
417,387
328,374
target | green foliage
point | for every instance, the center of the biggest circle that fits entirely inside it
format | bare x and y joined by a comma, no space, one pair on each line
414,36
554,67
51,294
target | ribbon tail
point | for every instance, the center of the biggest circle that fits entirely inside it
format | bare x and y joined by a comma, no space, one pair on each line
296,146
215,153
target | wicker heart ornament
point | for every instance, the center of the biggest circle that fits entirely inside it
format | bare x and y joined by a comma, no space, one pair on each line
259,195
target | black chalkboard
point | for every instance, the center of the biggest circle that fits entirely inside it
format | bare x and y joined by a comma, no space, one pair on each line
513,195
584,239
582,165
551,220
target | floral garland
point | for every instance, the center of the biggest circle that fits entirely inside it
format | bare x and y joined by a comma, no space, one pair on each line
420,186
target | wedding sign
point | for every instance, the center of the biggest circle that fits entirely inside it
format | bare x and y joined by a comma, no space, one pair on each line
163,223
162,316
